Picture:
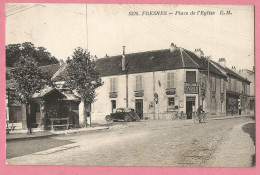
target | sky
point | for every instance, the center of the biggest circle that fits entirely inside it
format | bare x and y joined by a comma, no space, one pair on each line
61,28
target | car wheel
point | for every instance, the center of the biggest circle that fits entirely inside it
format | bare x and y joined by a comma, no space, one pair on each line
108,118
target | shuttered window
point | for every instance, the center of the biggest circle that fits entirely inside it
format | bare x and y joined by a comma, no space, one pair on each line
113,85
139,82
190,76
170,80
221,86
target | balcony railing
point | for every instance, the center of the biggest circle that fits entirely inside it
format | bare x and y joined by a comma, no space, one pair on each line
191,88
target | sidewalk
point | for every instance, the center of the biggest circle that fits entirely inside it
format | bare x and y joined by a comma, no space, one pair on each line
22,134
239,148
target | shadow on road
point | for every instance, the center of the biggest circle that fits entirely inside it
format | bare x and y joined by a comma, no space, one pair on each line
25,147
250,129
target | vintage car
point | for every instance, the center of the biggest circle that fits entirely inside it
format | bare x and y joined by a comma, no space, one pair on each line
124,114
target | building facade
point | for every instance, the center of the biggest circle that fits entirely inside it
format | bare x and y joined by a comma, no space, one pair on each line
250,75
157,84
237,90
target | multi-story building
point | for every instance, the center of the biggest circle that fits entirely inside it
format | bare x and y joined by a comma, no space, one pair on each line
237,89
158,83
250,75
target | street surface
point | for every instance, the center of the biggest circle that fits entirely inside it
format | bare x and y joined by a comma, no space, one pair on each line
145,143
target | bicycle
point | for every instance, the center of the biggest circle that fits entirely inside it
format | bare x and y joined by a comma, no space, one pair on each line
175,116
203,117
200,118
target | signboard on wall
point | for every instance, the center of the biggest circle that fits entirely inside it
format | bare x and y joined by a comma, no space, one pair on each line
222,96
113,95
171,91
191,88
139,93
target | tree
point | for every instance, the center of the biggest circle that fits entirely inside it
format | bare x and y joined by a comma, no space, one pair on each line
39,54
83,78
29,80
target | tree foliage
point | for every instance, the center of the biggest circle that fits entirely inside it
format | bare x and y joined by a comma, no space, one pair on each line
39,54
82,75
29,78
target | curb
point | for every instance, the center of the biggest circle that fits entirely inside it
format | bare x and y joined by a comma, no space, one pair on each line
223,118
55,134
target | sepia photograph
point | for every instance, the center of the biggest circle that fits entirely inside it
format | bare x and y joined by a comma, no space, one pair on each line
161,85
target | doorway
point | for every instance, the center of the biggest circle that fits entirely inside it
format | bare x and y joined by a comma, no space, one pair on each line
190,106
113,105
139,108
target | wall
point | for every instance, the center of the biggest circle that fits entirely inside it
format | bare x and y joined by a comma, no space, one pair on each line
154,83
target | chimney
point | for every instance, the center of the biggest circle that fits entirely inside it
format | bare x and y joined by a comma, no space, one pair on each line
233,68
94,58
173,47
199,52
123,59
222,62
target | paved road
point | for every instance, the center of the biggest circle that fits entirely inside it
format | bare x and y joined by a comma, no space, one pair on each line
146,143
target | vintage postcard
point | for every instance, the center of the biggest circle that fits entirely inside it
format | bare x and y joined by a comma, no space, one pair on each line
160,85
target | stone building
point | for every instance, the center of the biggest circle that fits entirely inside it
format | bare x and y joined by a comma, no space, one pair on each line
250,75
237,89
158,83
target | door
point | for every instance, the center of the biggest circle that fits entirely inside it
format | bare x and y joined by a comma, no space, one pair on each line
190,105
139,108
113,105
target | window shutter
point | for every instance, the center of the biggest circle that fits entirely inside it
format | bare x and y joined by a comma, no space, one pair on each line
141,83
165,80
111,84
172,80
116,84
168,80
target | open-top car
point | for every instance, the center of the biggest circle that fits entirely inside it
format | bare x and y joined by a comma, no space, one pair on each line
125,114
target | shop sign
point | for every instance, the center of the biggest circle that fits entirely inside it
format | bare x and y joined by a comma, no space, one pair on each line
203,85
222,96
139,93
113,95
191,88
171,91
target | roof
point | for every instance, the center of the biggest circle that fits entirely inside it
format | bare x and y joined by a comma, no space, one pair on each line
62,94
50,69
43,92
157,60
231,73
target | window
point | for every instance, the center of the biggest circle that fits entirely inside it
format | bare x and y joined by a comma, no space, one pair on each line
170,80
229,83
139,82
213,84
171,101
234,85
113,84
221,86
191,76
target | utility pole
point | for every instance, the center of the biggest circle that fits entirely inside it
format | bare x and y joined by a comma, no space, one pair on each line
209,83
126,77
87,24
